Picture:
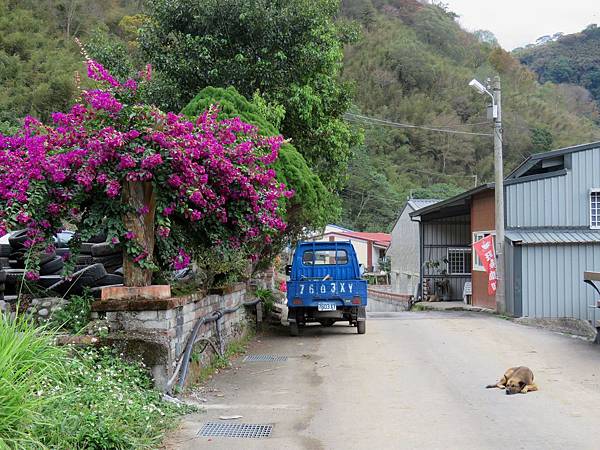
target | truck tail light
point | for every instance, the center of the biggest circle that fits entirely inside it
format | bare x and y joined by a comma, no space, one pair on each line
356,301
296,301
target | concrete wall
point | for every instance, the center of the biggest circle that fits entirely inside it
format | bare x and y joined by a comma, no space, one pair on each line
404,254
560,201
483,218
157,331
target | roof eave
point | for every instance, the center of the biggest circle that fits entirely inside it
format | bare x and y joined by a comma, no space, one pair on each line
449,201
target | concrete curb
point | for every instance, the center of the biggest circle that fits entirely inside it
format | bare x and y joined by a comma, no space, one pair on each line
431,306
565,326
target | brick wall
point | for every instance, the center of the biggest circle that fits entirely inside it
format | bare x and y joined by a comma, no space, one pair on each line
483,218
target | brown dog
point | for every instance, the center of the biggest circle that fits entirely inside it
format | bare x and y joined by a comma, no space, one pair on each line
515,380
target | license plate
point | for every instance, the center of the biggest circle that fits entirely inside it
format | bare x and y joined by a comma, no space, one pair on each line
326,306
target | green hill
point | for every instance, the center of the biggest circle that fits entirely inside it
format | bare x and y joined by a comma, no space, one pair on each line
572,59
412,65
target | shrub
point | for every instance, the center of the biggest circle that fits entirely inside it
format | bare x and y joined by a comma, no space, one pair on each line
28,364
212,180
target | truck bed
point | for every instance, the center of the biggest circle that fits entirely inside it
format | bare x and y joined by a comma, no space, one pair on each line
311,292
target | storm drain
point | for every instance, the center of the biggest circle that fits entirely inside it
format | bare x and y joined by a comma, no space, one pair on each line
236,430
265,358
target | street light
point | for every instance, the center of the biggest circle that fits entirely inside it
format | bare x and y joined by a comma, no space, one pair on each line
496,115
478,87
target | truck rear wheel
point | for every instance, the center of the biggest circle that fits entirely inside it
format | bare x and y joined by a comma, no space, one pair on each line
361,326
294,330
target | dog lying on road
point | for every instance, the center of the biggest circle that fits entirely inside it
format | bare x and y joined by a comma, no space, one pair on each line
515,380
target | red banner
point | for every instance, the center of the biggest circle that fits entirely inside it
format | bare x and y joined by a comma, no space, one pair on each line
487,255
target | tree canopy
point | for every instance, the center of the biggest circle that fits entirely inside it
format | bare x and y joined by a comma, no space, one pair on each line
289,50
572,58
312,206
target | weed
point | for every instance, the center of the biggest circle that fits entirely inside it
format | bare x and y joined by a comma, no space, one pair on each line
75,315
107,403
418,307
268,299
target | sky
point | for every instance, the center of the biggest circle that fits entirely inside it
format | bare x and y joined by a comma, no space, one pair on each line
520,22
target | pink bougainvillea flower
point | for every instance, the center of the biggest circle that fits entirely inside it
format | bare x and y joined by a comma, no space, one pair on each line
151,161
163,232
216,174
32,276
182,260
140,257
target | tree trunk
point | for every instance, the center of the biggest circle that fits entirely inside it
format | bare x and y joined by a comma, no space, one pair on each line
137,195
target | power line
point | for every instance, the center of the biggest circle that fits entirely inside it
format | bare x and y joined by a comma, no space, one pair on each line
372,195
374,121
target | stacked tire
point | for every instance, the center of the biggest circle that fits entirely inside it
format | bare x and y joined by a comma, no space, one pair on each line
2,283
99,263
109,255
50,263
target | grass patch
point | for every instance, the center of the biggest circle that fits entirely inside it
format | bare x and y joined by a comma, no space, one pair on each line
418,307
86,399
28,361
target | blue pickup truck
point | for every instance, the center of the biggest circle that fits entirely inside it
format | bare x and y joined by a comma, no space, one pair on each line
326,286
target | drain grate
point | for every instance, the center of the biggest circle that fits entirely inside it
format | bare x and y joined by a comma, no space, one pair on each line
236,430
265,358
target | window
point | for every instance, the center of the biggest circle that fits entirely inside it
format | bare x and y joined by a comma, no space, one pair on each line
476,237
595,209
459,261
325,257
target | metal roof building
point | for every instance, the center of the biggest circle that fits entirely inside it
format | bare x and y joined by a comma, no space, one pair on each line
403,251
552,214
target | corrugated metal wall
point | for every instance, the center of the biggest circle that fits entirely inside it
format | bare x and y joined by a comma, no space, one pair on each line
552,280
440,235
509,290
557,201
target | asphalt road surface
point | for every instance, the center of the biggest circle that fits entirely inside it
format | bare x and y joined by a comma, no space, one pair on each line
414,381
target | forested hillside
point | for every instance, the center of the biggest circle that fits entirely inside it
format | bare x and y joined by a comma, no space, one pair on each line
572,59
38,53
413,65
409,64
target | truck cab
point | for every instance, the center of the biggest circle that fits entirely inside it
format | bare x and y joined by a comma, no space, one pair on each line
325,286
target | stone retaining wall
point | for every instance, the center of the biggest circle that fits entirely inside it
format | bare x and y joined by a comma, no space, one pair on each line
157,331
387,301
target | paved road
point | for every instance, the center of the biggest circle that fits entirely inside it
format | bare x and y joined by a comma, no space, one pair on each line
414,381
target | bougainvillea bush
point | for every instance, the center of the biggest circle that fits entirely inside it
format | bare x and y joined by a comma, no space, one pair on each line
212,178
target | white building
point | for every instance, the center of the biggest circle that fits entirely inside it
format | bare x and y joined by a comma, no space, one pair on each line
404,249
369,247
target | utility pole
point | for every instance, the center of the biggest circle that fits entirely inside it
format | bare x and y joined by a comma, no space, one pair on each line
499,192
496,114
